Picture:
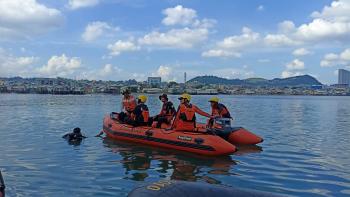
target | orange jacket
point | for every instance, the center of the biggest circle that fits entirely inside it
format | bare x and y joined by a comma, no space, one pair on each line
129,104
221,111
186,117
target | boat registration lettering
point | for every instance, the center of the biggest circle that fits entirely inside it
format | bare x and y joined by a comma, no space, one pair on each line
186,138
159,185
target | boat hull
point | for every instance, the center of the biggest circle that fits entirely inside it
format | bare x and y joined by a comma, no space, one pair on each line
193,142
241,136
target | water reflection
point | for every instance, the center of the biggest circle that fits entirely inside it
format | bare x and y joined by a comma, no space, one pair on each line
138,160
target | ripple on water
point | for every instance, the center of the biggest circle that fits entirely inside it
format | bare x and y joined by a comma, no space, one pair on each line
304,152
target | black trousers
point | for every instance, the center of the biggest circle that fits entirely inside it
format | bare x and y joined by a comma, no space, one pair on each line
160,120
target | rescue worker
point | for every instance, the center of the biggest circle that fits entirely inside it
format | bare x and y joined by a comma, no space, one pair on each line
218,109
128,105
166,113
140,115
186,114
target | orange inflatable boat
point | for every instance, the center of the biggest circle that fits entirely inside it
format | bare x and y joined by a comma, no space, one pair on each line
219,140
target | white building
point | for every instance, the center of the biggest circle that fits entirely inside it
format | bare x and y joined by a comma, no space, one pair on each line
344,77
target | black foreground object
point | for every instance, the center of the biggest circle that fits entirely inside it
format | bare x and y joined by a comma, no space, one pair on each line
2,186
169,188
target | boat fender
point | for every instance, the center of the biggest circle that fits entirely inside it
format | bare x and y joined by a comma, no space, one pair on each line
149,133
199,140
172,188
2,186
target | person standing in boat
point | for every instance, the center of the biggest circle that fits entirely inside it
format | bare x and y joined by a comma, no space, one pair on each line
218,109
128,105
167,112
185,119
140,115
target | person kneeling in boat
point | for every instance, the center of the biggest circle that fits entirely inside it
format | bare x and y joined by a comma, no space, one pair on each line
218,109
140,116
186,115
167,112
128,105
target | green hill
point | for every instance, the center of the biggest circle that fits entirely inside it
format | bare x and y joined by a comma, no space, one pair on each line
303,80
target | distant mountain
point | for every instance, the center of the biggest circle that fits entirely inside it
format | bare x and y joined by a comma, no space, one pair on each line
303,80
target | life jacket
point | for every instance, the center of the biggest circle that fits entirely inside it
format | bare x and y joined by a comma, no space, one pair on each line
141,113
221,110
186,119
129,104
168,110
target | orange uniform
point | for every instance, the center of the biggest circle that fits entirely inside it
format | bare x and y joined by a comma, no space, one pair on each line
186,117
220,110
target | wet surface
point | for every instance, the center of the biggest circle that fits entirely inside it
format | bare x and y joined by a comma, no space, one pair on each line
305,152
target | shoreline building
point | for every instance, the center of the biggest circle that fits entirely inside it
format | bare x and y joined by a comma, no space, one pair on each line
343,77
154,82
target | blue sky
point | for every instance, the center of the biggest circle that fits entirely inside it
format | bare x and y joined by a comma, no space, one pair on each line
119,39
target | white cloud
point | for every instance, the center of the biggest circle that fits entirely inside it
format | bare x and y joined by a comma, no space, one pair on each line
332,23
338,11
234,73
301,52
179,15
247,38
293,68
175,38
166,72
320,29
332,59
277,40
61,66
195,31
345,55
232,45
260,8
204,23
96,29
286,27
76,4
220,53
107,72
11,65
295,65
122,46
26,18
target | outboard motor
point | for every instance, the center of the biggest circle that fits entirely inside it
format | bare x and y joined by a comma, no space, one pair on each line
221,127
2,186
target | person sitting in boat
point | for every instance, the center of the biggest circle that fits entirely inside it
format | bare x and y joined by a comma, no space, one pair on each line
218,109
140,115
185,119
167,112
128,105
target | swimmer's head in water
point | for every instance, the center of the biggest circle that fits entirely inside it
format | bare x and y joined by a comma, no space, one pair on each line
76,130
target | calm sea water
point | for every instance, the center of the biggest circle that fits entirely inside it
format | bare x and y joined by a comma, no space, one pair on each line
305,152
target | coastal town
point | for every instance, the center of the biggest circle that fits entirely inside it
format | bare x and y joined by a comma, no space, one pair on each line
155,85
